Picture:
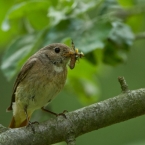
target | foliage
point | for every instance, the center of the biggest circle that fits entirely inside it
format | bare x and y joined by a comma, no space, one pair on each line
103,30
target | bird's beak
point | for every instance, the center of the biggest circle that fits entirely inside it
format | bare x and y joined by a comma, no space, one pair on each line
73,55
69,53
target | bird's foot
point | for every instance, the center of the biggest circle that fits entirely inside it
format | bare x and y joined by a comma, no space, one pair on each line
31,125
62,114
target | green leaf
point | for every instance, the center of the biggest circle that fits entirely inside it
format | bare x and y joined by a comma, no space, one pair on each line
67,41
126,2
70,9
121,34
89,34
117,46
18,52
41,24
93,38
22,9
82,7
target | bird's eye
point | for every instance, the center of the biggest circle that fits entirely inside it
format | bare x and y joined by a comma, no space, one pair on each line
57,49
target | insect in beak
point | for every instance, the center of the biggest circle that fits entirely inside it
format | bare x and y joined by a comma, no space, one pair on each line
74,56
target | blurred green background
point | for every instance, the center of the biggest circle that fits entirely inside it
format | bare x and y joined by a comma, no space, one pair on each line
111,34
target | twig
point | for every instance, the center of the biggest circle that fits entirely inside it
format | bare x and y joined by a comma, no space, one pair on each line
140,36
123,84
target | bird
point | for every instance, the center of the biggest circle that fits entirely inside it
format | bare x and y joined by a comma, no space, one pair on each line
39,81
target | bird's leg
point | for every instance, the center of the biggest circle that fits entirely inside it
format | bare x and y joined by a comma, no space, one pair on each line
63,113
29,123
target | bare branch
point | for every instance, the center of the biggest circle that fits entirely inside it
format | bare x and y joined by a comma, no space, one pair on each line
140,36
120,108
123,84
124,13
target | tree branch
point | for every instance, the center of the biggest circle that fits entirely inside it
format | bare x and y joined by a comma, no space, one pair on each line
125,106
140,36
123,84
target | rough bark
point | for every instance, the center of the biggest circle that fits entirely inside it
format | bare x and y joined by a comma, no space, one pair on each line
125,106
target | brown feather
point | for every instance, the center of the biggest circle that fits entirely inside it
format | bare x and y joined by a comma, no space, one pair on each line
23,73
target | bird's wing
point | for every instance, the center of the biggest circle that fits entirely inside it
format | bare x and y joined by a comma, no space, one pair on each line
22,74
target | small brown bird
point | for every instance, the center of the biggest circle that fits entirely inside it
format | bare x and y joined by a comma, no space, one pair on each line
41,78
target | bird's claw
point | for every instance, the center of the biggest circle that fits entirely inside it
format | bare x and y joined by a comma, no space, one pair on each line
31,125
62,114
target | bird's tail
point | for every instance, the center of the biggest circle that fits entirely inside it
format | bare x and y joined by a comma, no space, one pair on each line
17,124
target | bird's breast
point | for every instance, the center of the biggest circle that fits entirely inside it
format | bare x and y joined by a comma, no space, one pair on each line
40,86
